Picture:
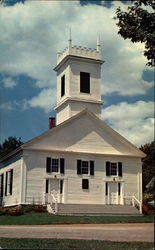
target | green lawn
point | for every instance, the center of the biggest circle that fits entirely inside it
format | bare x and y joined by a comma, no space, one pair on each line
9,243
46,218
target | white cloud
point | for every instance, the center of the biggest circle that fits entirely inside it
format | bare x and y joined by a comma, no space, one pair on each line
134,121
8,82
6,106
32,32
45,100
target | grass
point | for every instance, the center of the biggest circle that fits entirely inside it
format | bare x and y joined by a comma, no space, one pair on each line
46,218
27,243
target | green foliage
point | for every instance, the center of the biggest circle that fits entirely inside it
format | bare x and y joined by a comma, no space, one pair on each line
34,218
9,145
148,167
9,243
137,24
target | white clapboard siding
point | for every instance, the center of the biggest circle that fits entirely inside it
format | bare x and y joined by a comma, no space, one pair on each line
35,163
13,199
84,134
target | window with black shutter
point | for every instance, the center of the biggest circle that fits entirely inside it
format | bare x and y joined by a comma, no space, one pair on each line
1,184
48,164
84,82
62,166
63,85
78,166
85,184
85,167
91,167
113,168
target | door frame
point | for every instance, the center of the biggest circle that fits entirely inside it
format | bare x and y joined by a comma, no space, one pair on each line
120,199
60,196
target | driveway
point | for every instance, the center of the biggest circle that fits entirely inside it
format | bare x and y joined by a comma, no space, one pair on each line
112,232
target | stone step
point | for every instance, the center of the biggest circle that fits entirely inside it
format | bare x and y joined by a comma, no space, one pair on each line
96,209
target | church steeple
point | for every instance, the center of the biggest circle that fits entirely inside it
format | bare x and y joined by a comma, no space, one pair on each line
78,80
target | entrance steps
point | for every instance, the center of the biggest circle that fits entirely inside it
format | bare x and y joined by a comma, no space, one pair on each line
92,209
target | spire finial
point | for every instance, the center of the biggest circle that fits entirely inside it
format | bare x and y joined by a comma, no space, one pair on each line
98,43
69,39
69,35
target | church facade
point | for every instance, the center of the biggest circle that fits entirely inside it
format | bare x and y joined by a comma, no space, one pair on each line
80,159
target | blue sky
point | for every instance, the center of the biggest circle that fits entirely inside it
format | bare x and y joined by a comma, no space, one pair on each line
31,34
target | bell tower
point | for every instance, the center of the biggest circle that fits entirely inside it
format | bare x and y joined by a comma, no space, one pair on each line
78,81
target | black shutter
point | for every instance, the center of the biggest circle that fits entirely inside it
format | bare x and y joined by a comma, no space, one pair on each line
2,183
108,168
106,188
62,166
48,164
61,186
119,188
46,186
11,181
78,166
119,168
91,167
6,183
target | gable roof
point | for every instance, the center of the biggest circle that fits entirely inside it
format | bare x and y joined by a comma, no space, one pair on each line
69,136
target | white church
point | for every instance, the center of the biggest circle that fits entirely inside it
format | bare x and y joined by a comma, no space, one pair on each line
80,165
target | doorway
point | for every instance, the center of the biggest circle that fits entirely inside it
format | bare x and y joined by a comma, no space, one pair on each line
113,193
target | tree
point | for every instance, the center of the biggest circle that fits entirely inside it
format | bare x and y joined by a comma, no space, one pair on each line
9,145
148,166
137,24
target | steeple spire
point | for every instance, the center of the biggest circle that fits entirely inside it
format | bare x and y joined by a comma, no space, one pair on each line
98,43
69,39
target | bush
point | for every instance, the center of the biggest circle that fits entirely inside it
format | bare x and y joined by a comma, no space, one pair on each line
39,208
147,197
28,208
2,211
15,211
145,208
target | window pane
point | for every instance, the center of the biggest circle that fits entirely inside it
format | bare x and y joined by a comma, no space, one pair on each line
84,82
84,167
113,168
85,184
55,165
62,85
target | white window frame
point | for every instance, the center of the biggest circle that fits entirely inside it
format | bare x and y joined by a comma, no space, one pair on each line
113,175
83,167
55,165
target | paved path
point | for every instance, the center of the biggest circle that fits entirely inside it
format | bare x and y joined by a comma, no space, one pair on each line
113,232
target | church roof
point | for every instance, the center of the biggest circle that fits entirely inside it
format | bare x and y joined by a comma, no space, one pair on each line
84,133
95,138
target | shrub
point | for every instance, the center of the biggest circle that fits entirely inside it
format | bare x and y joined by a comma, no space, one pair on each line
39,208
28,208
145,208
2,211
15,211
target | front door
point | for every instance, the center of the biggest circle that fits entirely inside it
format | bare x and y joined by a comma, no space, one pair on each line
54,188
113,193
